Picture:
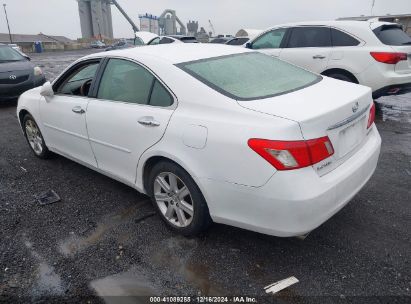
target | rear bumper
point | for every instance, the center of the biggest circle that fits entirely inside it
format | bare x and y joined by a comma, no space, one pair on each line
394,89
295,202
382,78
12,92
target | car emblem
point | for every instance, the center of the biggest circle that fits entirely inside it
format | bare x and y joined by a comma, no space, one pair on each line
13,77
355,107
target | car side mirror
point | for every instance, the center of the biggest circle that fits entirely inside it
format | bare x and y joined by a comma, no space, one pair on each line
47,90
27,57
249,45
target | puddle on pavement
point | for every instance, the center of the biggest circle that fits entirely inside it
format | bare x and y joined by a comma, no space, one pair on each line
75,244
124,288
396,108
48,282
176,257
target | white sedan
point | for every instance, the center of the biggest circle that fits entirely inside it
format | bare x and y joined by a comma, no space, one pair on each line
211,133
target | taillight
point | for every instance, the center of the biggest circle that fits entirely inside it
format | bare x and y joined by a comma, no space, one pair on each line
389,58
371,117
290,155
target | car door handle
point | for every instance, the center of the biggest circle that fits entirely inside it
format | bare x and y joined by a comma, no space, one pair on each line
78,110
318,57
148,121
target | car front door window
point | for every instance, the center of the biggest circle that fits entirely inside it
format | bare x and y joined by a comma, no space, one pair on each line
78,83
270,40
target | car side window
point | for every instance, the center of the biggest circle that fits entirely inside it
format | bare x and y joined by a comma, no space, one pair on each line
166,40
125,81
160,97
342,39
309,36
78,82
270,40
155,41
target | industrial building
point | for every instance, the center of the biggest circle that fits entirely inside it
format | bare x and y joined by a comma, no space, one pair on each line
48,42
96,19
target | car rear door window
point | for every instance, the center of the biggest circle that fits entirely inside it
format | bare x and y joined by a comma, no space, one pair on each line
309,36
160,97
270,40
125,81
342,39
392,35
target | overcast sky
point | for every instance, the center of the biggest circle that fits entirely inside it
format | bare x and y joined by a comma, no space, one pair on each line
60,17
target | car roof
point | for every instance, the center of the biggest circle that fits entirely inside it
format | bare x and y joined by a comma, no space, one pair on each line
337,23
174,53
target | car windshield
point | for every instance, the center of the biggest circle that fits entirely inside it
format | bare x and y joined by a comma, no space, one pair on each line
249,76
7,54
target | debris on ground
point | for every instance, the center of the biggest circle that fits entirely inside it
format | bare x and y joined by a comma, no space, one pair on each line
280,285
23,169
48,197
138,220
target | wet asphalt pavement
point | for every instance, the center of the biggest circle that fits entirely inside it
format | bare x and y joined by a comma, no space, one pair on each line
103,235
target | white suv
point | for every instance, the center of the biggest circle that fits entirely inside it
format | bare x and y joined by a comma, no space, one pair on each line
375,54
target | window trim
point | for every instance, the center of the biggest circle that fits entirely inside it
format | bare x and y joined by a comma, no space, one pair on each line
68,72
100,74
182,66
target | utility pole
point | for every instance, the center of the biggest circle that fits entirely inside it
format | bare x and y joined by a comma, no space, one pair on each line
372,7
99,29
7,19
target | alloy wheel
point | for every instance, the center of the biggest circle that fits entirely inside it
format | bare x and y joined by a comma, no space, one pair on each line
34,136
173,199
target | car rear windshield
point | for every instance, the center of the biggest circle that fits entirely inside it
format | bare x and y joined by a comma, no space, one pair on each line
7,54
249,76
189,40
392,35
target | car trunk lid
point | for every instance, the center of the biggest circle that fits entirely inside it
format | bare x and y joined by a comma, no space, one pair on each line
330,108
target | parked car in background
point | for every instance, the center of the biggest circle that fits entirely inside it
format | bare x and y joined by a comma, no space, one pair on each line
144,38
17,74
122,44
220,40
211,132
15,46
238,41
97,45
173,39
375,54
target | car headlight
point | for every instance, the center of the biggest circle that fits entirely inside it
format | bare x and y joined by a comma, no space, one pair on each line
37,71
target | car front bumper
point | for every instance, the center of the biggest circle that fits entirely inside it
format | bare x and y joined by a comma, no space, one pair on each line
11,92
293,203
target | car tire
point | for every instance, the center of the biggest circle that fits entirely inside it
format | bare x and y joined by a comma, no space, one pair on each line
177,199
341,76
34,137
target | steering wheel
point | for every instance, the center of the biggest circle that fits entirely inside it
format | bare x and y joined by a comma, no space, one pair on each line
85,87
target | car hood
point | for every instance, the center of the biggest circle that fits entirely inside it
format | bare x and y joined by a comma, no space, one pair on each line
15,66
